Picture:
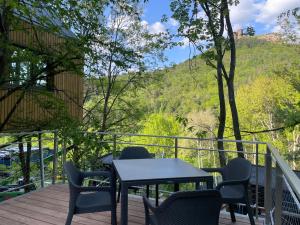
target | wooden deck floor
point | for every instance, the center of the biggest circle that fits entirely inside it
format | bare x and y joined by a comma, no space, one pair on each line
49,206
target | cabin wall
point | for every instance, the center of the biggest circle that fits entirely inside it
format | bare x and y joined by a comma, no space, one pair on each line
30,113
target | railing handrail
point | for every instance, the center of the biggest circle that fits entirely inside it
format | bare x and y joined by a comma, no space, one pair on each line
27,133
291,177
179,137
139,135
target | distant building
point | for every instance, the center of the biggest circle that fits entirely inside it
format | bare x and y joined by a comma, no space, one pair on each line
238,34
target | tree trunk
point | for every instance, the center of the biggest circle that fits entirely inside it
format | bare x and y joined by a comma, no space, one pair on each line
25,162
235,118
230,81
222,116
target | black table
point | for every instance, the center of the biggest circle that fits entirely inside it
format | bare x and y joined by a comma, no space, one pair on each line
155,171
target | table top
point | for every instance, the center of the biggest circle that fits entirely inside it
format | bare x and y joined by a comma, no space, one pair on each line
156,169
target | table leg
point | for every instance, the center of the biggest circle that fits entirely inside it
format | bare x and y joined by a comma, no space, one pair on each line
113,200
156,194
210,183
124,204
176,187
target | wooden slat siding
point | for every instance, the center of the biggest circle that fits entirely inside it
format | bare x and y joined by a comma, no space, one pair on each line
49,206
70,83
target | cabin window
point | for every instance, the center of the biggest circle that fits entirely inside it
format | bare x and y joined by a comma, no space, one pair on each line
28,68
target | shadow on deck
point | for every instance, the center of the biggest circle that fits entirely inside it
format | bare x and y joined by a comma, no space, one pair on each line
50,205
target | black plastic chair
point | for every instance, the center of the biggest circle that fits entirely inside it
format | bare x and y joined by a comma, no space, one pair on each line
186,208
137,152
234,187
97,199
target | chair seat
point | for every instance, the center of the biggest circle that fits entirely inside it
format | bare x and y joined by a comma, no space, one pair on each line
232,194
152,220
92,202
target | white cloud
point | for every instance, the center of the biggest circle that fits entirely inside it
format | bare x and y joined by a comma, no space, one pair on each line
185,42
271,9
154,28
244,12
265,12
157,28
173,22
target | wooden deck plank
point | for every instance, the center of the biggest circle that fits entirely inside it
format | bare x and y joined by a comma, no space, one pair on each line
49,206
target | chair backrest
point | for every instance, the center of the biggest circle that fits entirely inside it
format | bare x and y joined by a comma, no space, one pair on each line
73,174
238,169
135,152
190,208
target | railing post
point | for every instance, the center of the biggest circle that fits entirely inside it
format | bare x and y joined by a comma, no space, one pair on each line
176,148
278,195
55,150
64,153
41,154
176,185
268,185
256,181
114,145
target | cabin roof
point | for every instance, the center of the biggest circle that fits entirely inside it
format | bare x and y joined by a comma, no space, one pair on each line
40,13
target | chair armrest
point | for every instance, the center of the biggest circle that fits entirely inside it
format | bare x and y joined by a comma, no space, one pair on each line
93,189
90,188
96,174
148,205
233,183
214,170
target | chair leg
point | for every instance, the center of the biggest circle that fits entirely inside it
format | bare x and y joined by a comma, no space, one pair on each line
250,213
156,194
114,216
231,210
69,218
119,193
147,191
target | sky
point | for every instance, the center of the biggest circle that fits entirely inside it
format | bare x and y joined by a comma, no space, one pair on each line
261,14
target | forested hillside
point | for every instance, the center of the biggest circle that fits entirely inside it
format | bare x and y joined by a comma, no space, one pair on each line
267,90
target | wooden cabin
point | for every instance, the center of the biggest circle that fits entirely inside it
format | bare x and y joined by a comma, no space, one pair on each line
56,92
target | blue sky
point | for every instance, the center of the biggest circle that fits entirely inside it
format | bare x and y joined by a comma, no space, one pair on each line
262,14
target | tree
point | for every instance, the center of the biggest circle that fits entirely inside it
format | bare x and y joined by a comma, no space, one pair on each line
160,124
203,23
109,48
250,31
289,23
114,70
271,112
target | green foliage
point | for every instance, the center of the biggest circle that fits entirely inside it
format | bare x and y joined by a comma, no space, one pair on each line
267,81
160,124
250,31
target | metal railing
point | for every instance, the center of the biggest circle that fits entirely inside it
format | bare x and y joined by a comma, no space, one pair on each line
278,205
282,190
43,173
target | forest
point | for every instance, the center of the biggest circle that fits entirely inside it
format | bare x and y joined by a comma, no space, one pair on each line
182,100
